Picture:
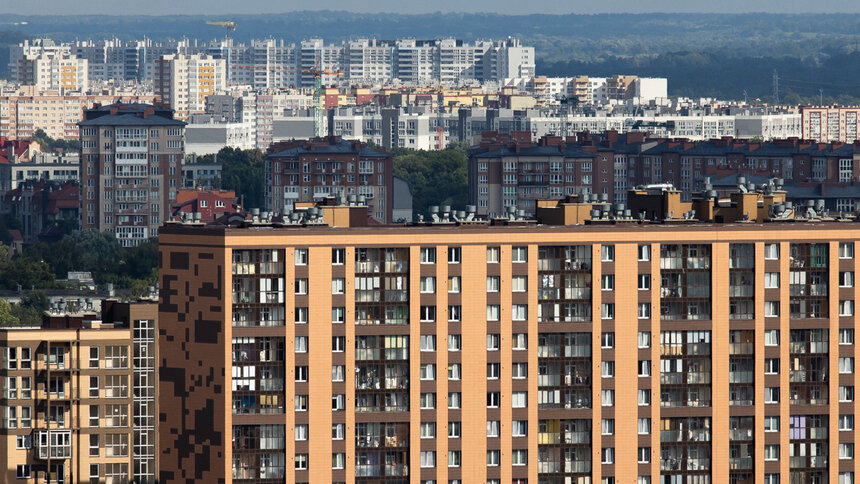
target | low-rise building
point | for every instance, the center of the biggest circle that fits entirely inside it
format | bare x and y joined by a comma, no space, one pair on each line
42,205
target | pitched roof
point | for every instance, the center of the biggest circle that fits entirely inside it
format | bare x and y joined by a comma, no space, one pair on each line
131,120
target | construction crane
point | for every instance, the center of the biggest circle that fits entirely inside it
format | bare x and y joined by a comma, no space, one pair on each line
227,24
319,99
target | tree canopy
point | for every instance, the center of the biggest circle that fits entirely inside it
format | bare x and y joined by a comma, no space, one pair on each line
50,144
243,172
436,177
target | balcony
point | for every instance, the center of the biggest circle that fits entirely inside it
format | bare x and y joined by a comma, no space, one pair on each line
740,463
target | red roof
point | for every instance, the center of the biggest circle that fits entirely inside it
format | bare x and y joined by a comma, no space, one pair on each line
16,235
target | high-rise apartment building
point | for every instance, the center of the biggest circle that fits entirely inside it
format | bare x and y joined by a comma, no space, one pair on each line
511,352
52,70
831,123
79,397
184,81
311,170
131,169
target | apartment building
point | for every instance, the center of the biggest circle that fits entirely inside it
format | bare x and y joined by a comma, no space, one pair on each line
309,170
41,206
28,109
831,123
513,351
131,169
184,81
516,172
79,397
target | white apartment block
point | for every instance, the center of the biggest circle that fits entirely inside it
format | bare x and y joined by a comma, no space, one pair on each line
184,81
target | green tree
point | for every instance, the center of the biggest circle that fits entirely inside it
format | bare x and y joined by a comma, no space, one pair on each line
243,172
7,317
436,177
26,272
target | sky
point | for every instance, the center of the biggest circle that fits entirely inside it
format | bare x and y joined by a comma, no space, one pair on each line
221,7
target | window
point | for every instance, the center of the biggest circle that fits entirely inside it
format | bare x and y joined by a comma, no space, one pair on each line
301,316
607,253
607,426
454,255
454,400
519,457
771,337
453,430
338,314
846,393
22,471
607,369
338,402
493,371
427,284
301,432
492,428
771,395
428,430
771,280
846,451
11,358
846,279
492,283
846,365
519,283
454,342
23,442
301,403
644,397
301,373
519,254
846,307
427,371
302,286
519,312
644,367
771,452
644,339
338,256
454,284
492,255
338,460
607,282
644,426
427,401
94,356
519,370
607,455
771,479
428,255
338,344
301,257
519,428
846,422
607,340
846,250
428,342
644,310
607,310
454,371
453,458
338,285
644,252
846,337
492,312
493,399
644,282
771,251
520,341
493,458
116,445
771,366
453,313
301,461
771,308
771,424
301,344
337,373
428,459
338,431
428,314
607,398
644,454
493,342
519,399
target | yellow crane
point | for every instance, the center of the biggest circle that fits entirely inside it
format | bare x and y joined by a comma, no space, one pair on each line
227,24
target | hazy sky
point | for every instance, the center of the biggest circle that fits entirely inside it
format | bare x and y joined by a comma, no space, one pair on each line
167,7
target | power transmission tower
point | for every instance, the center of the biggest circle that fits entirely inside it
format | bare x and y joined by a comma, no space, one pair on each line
775,87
